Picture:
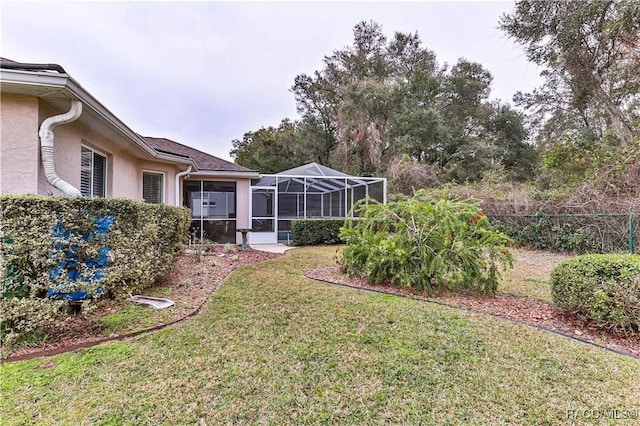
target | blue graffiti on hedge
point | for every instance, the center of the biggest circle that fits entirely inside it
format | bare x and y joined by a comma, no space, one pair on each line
77,268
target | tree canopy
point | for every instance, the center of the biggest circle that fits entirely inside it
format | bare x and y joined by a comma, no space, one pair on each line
380,100
386,106
587,112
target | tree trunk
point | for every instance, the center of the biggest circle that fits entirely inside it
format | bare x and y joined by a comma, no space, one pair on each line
621,128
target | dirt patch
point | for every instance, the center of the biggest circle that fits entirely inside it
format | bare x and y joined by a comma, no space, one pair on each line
192,282
537,263
526,310
530,275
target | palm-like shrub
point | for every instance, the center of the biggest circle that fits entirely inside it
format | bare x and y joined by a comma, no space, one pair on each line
425,243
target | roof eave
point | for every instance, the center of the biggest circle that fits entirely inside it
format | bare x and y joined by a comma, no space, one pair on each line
176,159
247,174
68,85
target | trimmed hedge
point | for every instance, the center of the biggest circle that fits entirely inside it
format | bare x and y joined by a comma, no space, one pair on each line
604,288
53,247
308,232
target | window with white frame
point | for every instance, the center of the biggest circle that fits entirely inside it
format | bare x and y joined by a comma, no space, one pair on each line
153,187
93,173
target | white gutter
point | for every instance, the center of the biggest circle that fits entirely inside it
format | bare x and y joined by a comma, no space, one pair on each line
250,174
46,147
177,184
175,159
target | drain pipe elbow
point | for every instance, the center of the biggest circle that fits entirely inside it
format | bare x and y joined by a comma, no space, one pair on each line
177,184
46,147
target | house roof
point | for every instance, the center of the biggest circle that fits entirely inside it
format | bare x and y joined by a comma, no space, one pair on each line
9,64
316,178
203,160
313,169
51,82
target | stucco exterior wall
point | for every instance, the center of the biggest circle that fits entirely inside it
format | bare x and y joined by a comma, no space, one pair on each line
66,156
124,171
243,196
126,177
21,171
19,145
169,171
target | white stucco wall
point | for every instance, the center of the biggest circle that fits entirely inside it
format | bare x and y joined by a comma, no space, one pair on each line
19,145
21,171
124,171
243,196
169,171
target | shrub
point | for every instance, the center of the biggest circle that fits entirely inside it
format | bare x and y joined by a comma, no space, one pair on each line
604,288
21,316
308,232
425,243
574,234
66,247
230,248
521,235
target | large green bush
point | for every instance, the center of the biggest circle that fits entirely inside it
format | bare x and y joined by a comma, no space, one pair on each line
21,316
425,243
604,288
55,246
308,232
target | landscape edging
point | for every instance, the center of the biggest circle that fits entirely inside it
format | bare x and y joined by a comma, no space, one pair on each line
560,333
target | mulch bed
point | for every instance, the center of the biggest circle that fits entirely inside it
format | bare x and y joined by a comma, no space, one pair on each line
193,283
190,285
521,309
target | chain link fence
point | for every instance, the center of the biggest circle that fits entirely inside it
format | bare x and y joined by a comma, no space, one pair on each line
573,233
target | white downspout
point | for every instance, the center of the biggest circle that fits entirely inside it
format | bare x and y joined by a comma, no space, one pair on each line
46,147
177,184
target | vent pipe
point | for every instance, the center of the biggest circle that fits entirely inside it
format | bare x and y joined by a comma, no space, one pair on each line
46,147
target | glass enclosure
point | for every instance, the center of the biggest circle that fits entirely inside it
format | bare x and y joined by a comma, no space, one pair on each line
213,210
307,192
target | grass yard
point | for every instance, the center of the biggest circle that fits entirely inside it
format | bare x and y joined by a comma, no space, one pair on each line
530,275
273,347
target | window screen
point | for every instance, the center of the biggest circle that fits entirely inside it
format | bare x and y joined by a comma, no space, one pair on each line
153,187
93,173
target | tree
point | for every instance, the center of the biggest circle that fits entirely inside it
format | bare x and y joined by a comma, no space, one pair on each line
386,101
384,98
519,158
590,54
466,108
350,97
271,150
316,103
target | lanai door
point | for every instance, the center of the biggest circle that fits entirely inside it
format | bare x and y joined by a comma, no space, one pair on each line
263,218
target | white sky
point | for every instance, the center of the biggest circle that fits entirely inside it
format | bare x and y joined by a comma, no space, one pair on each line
204,73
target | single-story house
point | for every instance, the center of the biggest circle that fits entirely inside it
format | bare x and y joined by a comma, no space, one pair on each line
57,139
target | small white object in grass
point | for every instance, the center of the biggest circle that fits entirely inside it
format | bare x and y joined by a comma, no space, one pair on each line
154,302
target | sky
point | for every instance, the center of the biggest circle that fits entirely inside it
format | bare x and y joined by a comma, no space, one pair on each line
204,73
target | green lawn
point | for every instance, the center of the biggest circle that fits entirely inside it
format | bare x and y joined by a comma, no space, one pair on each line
276,348
530,275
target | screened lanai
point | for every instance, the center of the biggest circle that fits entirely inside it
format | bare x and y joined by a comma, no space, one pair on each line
306,192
